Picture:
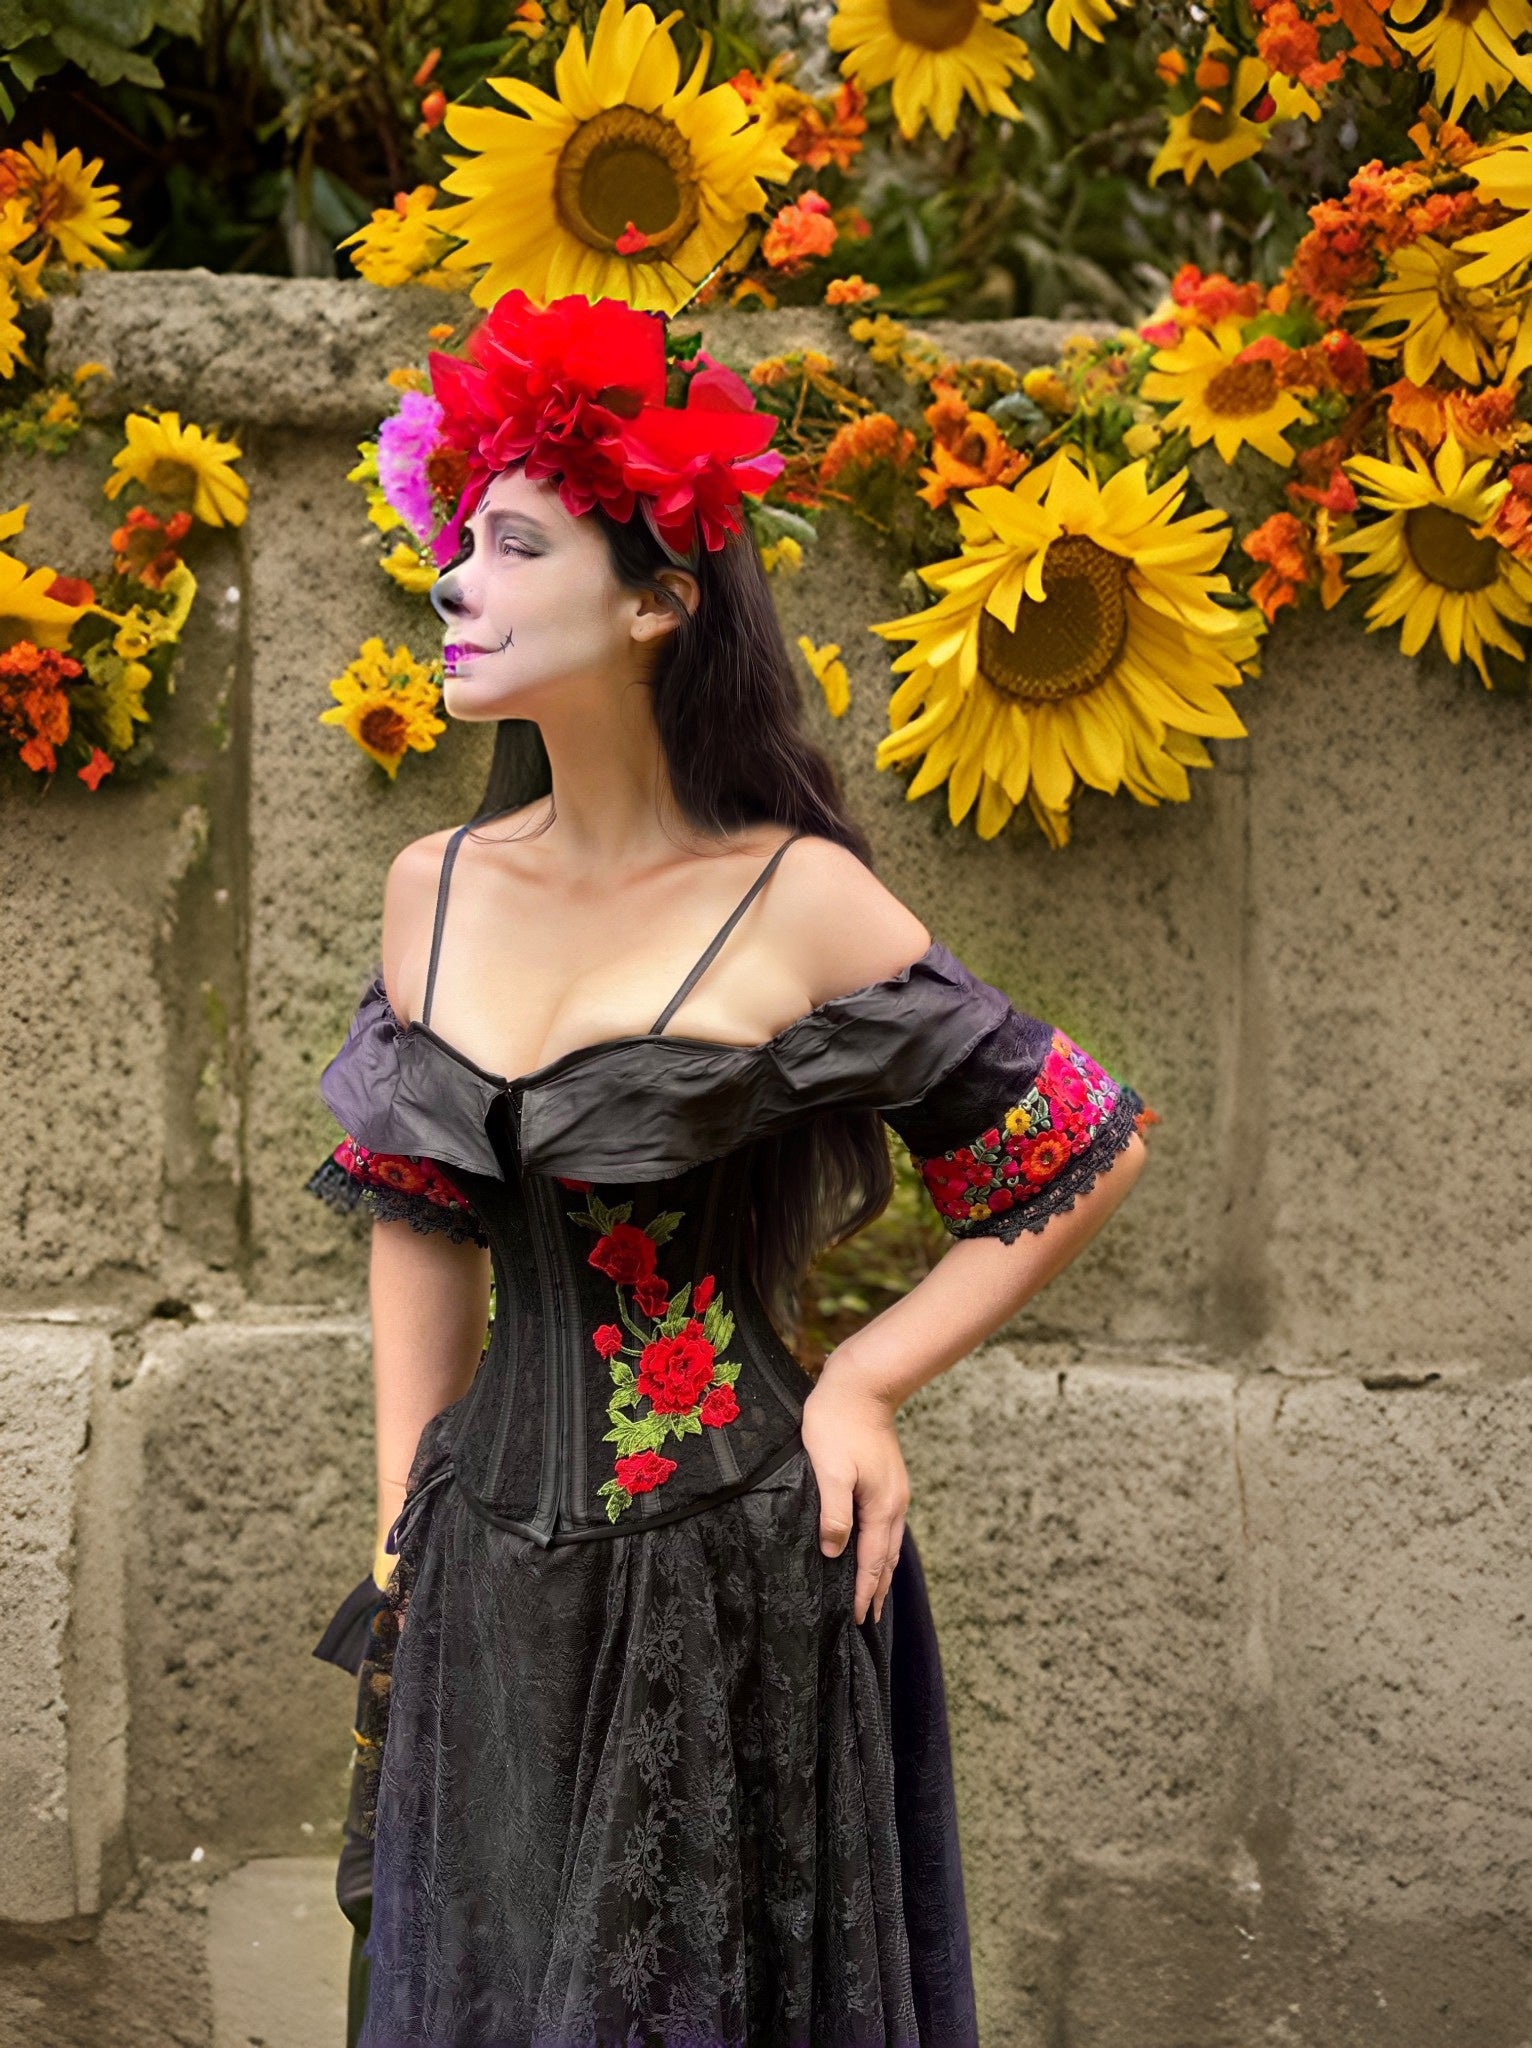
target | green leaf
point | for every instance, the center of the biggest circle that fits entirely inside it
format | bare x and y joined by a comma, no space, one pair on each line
679,1300
620,1404
622,1372
662,1228
617,1498
107,63
18,23
39,58
636,1433
725,1372
687,1425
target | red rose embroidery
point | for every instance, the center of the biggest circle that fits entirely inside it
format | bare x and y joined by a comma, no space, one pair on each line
652,1295
702,1293
625,1254
673,1371
644,1471
580,1187
607,1340
719,1407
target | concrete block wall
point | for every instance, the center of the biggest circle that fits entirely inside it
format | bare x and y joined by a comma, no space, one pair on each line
1226,1536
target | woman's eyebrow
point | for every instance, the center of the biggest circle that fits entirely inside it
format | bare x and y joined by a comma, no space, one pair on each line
504,518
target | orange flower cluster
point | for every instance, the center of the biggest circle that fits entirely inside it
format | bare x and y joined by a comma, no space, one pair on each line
1296,560
800,232
862,443
967,448
145,547
1381,210
1290,32
33,707
1513,520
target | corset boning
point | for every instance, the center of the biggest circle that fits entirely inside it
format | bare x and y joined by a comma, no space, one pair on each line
529,1445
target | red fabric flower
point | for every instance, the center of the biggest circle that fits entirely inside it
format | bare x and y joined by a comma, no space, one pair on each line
401,1171
644,1471
576,391
702,1293
653,1294
673,1371
579,1186
1044,1156
625,1254
607,1340
719,1407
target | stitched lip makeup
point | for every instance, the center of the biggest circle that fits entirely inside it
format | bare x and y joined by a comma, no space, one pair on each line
456,652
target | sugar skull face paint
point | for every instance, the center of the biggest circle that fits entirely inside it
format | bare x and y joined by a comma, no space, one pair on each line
532,608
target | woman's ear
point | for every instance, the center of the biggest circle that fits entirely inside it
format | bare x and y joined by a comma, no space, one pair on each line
655,617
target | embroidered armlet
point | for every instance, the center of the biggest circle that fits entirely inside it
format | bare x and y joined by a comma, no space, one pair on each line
396,1186
1042,1151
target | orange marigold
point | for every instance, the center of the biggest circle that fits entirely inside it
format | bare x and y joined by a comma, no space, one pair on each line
1213,297
967,449
800,232
861,443
1513,521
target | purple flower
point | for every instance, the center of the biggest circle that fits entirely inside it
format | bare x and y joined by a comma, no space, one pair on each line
405,440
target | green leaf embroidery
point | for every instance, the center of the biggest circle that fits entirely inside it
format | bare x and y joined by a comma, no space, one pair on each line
617,1498
725,1372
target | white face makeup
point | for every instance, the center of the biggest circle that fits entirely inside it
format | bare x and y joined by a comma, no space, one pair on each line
530,605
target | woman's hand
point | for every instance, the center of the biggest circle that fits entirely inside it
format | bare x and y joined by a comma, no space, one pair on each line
853,1446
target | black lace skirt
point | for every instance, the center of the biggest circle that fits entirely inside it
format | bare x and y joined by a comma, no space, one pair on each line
656,1792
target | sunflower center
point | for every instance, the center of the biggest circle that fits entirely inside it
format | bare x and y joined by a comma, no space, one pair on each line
1064,645
1447,551
934,24
168,477
1209,124
383,729
627,165
1465,10
1240,389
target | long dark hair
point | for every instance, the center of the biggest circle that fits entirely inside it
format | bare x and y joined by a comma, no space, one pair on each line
730,719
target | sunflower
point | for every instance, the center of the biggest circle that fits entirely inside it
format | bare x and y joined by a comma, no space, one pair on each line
1088,16
1220,399
1232,121
829,672
77,218
387,704
1077,640
934,51
182,464
12,340
1469,46
1504,174
1445,573
402,243
1444,324
628,185
27,612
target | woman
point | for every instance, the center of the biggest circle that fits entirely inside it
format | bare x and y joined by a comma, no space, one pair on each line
650,1755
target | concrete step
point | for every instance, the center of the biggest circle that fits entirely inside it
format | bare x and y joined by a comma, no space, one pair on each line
278,1949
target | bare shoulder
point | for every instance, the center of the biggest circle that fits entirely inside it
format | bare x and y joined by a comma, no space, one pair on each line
409,902
842,925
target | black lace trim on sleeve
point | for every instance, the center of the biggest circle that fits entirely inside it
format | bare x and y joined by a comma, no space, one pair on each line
1074,1179
343,1191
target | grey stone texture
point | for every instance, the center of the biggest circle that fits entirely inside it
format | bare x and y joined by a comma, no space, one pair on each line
1226,1535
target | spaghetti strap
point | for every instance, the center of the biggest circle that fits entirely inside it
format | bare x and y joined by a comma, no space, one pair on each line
448,857
441,917
719,936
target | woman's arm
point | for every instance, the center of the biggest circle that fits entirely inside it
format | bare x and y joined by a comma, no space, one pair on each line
972,1291
430,1307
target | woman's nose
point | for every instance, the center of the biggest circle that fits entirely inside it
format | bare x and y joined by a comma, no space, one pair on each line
448,597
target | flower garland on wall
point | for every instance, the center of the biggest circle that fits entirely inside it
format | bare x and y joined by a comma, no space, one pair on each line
1092,549
85,662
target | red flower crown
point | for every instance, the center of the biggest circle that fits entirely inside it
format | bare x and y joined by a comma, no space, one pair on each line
576,390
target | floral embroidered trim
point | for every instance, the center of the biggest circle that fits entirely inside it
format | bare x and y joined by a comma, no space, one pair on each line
396,1186
674,1360
1022,1169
